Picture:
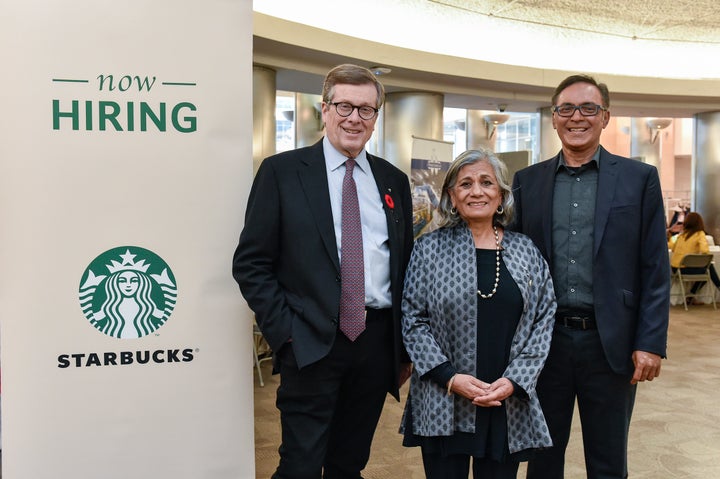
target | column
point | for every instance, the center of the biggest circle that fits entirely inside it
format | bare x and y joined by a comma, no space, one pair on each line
707,171
642,146
263,114
477,131
409,114
308,119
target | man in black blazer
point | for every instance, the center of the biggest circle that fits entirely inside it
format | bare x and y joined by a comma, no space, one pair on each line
598,219
288,265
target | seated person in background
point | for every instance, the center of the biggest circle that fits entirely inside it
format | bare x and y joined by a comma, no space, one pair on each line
692,240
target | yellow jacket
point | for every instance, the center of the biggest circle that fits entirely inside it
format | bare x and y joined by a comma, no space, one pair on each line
696,243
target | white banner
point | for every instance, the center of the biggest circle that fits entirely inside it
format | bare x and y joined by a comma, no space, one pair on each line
125,164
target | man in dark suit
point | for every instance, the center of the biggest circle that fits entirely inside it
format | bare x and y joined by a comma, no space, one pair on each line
291,263
598,219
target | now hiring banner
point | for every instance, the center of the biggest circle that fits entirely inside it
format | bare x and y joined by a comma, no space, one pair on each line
125,163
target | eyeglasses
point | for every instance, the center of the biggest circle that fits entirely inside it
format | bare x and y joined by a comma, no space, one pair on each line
345,109
586,109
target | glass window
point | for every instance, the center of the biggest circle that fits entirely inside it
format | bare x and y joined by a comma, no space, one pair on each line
284,121
520,132
454,120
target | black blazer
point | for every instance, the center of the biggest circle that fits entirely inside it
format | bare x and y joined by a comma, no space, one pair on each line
631,271
287,264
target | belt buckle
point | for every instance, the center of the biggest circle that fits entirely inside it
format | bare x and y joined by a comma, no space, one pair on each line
582,319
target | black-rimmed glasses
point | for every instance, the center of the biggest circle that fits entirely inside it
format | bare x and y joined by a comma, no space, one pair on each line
586,109
345,109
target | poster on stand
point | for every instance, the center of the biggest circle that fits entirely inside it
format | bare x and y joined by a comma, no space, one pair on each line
428,166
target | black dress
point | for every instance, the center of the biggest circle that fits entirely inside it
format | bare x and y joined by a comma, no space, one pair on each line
497,321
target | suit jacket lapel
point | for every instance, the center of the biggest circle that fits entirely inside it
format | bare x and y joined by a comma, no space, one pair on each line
607,180
546,208
385,187
315,184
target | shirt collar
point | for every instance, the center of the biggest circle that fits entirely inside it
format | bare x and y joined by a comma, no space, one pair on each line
595,158
334,159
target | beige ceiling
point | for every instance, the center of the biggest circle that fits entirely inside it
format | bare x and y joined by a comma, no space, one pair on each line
301,54
696,21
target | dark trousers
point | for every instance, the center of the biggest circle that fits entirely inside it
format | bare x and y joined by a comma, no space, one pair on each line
329,410
576,368
457,466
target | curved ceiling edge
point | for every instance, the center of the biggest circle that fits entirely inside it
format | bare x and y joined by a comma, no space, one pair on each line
303,53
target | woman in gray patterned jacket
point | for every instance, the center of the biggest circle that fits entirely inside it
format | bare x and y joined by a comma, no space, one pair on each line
478,311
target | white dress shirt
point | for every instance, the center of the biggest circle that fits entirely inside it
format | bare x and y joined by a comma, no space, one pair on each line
376,250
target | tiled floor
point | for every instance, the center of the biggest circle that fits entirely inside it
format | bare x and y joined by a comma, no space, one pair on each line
675,433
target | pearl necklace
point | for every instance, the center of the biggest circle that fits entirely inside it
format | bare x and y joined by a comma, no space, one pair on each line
497,267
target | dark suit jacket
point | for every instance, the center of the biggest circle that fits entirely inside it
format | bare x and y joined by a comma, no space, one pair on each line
287,264
631,272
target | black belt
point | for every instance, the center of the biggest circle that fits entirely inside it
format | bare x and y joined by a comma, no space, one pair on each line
576,319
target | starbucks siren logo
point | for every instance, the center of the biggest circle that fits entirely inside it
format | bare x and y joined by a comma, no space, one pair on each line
128,292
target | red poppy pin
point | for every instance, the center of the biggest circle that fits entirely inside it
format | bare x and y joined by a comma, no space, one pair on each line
389,201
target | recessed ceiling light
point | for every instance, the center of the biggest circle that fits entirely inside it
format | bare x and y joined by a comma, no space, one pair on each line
380,71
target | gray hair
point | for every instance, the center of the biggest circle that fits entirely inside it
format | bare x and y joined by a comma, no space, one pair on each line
470,157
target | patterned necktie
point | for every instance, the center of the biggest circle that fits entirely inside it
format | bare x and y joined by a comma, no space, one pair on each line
352,266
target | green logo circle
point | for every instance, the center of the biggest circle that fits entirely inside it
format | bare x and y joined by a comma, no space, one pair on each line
127,292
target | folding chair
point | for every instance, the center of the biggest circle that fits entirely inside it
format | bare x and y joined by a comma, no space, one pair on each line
700,263
258,342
